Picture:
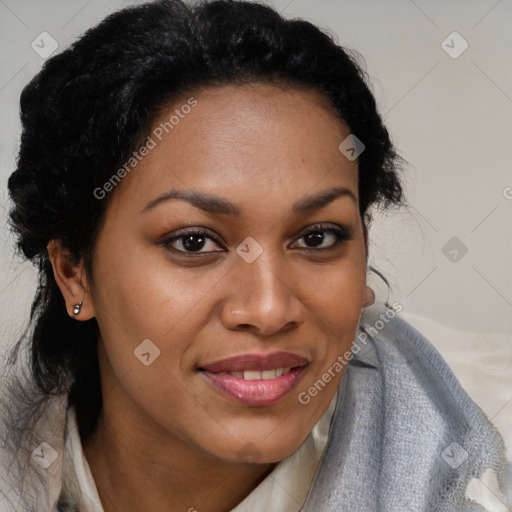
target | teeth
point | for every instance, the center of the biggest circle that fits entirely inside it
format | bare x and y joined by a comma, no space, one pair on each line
256,375
268,374
252,375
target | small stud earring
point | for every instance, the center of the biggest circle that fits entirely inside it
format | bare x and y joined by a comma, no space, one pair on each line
77,307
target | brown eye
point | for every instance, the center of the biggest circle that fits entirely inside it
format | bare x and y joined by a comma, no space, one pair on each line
325,237
191,242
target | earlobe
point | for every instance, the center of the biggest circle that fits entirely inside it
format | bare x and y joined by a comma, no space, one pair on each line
71,280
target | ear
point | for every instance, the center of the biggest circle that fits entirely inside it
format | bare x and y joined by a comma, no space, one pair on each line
71,279
366,221
369,294
368,297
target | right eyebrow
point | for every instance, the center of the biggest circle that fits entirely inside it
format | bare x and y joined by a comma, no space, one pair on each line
206,202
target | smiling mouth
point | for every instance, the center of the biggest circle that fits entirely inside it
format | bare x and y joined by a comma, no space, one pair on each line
255,379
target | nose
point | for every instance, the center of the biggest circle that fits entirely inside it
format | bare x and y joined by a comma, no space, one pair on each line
263,298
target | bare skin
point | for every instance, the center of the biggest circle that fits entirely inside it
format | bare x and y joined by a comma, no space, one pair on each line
167,440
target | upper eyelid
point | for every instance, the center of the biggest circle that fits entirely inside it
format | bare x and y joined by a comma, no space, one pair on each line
312,227
323,227
192,231
345,232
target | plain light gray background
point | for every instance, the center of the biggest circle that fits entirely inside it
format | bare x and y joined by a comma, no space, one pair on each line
451,119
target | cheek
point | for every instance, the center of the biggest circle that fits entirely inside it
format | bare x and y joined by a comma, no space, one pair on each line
338,296
153,317
147,295
338,305
156,301
338,309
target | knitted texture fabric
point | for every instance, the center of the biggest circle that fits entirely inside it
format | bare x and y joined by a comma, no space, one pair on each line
405,435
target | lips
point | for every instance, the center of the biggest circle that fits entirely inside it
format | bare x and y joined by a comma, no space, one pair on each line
256,380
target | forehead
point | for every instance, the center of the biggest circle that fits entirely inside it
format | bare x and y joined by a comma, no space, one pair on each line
242,142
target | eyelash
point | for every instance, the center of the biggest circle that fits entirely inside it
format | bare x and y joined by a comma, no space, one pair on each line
341,234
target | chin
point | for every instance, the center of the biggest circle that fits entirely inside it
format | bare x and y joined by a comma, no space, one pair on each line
261,451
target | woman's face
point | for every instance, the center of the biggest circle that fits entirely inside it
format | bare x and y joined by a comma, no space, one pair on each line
262,253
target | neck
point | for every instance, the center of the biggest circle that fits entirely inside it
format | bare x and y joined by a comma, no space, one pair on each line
132,475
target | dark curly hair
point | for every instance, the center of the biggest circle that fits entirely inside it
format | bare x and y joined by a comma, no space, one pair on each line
91,106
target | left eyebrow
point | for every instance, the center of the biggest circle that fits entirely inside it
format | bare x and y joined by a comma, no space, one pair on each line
219,205
317,201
